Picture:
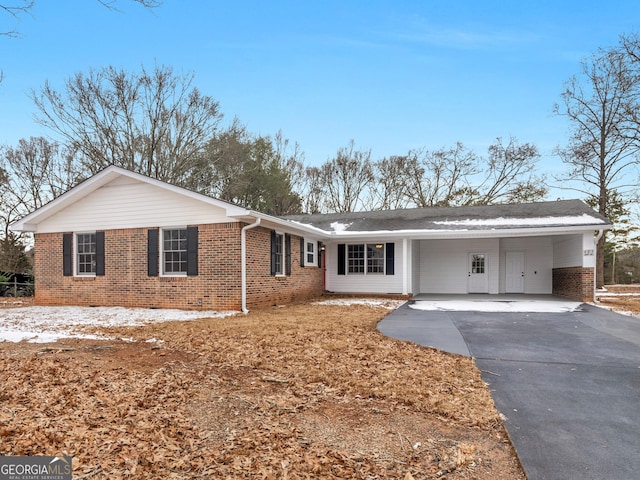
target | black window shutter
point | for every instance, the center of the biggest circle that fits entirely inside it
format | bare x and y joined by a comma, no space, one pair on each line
67,256
287,254
99,253
192,251
303,251
319,253
341,258
152,252
389,251
273,252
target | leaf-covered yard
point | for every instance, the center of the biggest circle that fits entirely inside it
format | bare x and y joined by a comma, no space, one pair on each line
302,391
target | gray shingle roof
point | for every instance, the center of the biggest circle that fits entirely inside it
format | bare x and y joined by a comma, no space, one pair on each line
488,217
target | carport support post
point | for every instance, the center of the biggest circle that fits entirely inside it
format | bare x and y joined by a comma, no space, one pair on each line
406,267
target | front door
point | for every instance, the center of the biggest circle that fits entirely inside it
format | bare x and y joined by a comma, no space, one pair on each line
478,275
514,270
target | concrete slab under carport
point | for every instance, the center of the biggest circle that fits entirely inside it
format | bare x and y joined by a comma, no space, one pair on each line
489,297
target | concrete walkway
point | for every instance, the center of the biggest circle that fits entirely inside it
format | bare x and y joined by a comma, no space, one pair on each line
567,384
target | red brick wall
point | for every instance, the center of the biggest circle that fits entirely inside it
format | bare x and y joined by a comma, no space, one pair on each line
263,289
217,286
574,282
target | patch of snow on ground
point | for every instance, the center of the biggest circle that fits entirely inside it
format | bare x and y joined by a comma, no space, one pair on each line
371,302
520,306
607,294
48,324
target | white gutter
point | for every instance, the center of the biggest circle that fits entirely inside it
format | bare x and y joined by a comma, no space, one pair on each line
243,262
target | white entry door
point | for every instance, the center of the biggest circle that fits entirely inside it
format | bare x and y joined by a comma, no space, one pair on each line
514,270
478,274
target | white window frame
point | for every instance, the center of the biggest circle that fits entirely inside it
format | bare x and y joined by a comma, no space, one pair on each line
381,262
366,259
76,255
314,253
163,263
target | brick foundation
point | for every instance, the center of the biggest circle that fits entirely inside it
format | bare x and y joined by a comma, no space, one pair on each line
575,283
216,287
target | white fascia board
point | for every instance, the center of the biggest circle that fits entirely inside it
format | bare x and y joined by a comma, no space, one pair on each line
29,222
463,233
291,226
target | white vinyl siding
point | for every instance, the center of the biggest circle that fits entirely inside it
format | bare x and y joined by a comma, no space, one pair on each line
359,283
538,262
132,205
576,250
567,251
444,264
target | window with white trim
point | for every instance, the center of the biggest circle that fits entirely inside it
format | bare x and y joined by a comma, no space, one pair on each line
365,258
355,258
85,253
375,258
310,250
174,251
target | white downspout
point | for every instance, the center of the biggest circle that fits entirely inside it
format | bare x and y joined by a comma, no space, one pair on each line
243,266
595,269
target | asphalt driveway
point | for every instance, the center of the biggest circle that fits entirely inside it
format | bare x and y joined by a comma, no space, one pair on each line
566,383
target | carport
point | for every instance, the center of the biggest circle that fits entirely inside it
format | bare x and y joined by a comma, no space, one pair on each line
499,262
534,249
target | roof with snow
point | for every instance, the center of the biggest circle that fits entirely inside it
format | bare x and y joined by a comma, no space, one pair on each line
560,213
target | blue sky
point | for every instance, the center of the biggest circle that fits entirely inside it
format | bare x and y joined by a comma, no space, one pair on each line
390,75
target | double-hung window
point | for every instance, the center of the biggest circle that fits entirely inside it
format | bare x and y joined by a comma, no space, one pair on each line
174,251
85,254
310,253
278,258
280,254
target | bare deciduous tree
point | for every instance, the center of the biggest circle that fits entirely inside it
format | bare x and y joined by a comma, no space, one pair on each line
36,171
510,174
33,173
346,178
154,123
393,180
15,9
602,151
457,176
442,177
